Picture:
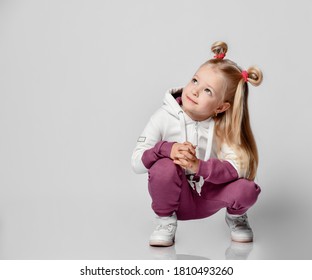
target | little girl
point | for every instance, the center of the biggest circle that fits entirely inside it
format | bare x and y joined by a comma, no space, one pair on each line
199,150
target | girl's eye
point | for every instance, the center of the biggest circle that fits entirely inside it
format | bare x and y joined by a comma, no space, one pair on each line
194,81
208,91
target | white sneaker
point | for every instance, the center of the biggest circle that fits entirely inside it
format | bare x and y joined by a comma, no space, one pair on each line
164,233
240,229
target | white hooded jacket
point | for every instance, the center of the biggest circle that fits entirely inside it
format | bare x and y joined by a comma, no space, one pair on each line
170,123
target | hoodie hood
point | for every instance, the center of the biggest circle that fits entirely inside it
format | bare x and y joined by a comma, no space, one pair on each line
172,104
172,101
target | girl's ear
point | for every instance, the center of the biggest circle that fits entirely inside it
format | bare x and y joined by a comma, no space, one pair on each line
223,107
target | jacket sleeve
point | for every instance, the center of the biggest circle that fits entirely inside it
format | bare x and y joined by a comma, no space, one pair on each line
161,150
217,171
222,170
150,146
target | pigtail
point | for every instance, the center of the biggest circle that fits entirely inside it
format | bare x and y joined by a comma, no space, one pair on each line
219,49
243,135
255,76
238,112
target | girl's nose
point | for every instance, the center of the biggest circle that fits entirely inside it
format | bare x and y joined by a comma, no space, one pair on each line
195,91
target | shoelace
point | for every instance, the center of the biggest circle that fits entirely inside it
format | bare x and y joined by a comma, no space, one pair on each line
241,222
165,227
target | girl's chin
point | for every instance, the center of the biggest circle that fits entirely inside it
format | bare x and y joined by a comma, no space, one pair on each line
194,115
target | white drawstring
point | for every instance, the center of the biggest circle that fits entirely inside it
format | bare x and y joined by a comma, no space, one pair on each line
209,139
182,126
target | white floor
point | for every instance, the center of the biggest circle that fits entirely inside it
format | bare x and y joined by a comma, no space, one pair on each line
45,227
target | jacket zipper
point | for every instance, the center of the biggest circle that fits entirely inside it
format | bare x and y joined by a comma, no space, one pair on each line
196,137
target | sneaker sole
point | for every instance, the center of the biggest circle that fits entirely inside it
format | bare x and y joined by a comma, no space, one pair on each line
160,243
242,240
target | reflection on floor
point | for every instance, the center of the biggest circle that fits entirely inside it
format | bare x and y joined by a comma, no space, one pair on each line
236,251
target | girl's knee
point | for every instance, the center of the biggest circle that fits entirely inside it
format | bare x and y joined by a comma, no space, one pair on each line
248,191
164,167
163,175
244,194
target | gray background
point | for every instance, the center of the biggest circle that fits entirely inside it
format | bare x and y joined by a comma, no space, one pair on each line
78,82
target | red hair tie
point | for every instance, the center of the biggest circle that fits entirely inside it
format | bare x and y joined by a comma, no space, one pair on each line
219,56
245,76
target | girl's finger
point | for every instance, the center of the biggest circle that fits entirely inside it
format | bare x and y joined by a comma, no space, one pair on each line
177,162
189,144
183,148
180,156
190,147
184,162
188,155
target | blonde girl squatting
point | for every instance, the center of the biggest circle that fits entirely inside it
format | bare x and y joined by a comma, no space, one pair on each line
200,152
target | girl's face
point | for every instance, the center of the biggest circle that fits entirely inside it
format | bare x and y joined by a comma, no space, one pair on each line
203,96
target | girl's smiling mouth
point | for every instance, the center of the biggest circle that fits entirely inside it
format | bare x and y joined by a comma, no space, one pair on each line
191,100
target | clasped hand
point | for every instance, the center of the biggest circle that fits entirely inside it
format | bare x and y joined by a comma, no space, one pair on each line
184,154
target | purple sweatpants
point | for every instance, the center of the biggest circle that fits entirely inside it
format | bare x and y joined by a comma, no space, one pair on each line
170,191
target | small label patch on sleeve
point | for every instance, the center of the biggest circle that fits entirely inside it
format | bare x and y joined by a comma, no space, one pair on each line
141,139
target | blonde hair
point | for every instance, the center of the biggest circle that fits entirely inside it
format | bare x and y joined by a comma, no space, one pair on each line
233,125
